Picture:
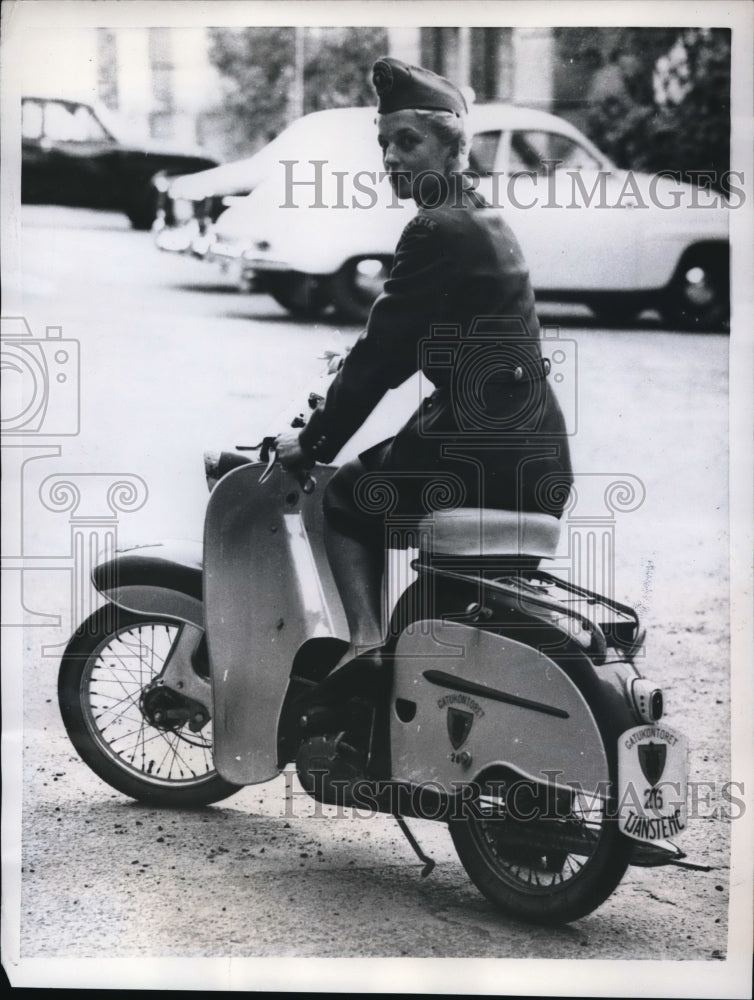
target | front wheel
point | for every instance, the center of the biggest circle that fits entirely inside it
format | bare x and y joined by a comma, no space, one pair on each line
553,861
103,693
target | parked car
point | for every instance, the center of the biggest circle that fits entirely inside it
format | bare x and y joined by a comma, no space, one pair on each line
316,231
73,154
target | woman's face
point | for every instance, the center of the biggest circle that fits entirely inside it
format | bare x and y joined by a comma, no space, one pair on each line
409,150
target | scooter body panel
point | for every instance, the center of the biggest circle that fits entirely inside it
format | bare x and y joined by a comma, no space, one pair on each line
472,700
267,590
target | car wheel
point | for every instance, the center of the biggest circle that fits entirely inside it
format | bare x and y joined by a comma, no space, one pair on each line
142,208
356,285
302,295
698,297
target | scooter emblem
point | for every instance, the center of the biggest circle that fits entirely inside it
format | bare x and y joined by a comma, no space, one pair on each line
652,760
459,726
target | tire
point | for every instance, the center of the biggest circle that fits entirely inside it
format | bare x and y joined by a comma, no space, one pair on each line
548,870
547,886
115,650
698,297
302,295
142,208
356,285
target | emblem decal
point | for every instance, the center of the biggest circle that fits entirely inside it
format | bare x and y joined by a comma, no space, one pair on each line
652,783
652,760
459,726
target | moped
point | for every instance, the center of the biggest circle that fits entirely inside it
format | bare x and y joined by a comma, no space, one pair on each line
508,702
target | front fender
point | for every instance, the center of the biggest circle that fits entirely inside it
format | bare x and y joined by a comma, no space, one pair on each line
163,579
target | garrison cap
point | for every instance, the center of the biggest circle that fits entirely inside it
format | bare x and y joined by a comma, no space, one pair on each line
401,87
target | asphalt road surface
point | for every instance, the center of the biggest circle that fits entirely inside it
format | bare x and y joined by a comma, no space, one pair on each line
173,360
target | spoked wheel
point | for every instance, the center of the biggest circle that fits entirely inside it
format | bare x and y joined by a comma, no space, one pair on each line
548,862
145,740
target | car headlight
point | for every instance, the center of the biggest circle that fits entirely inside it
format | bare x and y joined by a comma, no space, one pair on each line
646,698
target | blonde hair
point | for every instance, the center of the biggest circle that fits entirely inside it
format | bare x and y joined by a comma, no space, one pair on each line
451,130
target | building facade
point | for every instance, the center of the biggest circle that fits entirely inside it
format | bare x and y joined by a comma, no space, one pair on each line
161,82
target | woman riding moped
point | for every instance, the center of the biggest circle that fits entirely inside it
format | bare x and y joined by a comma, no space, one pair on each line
458,305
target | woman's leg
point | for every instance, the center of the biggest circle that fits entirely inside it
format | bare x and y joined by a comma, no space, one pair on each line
358,569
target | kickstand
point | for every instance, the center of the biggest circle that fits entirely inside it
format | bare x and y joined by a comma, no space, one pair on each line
429,864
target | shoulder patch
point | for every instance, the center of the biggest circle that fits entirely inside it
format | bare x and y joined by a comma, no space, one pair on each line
421,222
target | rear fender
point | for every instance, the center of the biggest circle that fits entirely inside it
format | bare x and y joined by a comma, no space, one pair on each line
466,701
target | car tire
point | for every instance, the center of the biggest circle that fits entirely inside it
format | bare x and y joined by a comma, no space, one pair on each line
142,208
356,285
698,297
302,295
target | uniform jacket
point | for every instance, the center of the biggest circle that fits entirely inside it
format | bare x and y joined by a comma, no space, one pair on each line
459,305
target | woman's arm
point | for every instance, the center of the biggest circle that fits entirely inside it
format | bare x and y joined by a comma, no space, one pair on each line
387,353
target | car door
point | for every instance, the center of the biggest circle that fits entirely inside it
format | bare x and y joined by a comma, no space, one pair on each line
577,227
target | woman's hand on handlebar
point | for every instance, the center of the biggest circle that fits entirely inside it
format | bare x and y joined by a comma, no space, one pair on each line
292,456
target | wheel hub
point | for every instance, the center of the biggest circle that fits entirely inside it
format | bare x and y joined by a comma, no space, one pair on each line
166,709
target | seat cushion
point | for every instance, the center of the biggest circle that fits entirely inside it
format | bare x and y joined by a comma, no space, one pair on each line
476,531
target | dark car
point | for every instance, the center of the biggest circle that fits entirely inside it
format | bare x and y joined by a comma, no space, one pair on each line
71,157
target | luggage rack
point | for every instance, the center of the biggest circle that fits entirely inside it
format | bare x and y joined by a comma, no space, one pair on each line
621,627
534,591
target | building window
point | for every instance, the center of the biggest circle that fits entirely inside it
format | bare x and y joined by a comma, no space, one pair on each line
107,67
161,73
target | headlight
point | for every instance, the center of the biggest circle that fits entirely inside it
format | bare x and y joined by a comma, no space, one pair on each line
646,698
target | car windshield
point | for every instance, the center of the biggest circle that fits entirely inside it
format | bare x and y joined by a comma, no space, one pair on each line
541,152
72,123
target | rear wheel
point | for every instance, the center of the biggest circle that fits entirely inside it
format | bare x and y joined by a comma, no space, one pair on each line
551,860
302,295
136,736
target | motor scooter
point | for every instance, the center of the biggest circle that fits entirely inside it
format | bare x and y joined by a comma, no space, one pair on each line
508,702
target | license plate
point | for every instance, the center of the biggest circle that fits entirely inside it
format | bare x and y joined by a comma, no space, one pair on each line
652,776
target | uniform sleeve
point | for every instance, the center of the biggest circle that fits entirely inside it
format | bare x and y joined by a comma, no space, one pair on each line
387,353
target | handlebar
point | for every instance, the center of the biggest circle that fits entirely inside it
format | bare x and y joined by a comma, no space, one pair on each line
303,477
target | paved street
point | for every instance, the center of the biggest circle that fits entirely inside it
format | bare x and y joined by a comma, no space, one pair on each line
174,360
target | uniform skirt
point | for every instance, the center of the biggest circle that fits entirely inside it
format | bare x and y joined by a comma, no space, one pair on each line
508,451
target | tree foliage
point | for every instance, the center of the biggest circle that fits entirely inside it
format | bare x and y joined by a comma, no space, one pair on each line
663,101
257,66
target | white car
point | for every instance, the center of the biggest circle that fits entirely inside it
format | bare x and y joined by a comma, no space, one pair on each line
321,224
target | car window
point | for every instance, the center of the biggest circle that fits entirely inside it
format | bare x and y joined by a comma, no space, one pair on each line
483,152
541,152
72,123
31,120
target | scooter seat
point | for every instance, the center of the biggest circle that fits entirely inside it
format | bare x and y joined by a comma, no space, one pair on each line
478,531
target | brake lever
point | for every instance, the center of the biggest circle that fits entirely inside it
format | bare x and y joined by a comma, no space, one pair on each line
273,456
